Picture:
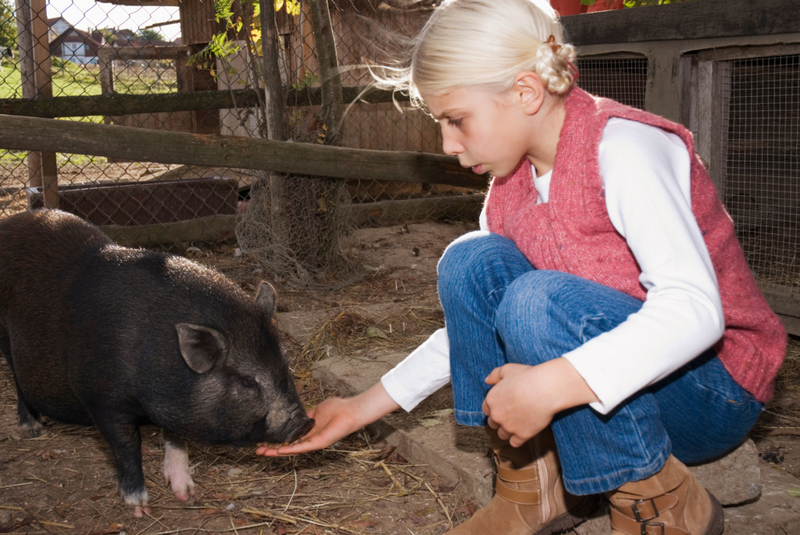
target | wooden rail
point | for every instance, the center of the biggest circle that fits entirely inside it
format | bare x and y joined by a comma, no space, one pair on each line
36,134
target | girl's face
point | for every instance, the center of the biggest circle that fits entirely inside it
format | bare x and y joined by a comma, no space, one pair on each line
487,131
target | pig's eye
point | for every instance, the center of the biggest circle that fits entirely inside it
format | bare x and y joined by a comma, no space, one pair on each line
249,382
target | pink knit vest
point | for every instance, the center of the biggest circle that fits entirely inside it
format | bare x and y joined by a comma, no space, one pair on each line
573,233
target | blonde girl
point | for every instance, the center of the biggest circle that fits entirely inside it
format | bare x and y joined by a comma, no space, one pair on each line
603,324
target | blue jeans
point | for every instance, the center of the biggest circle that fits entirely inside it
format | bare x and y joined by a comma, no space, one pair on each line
499,309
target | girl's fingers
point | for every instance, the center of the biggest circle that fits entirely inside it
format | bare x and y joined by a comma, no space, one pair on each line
494,377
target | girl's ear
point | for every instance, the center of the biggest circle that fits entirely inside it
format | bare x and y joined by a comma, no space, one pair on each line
529,91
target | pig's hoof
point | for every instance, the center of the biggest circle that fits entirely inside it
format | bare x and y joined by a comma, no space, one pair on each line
140,510
177,472
182,485
139,501
31,429
179,480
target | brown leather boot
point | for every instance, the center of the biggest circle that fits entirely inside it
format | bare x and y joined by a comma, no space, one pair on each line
529,494
671,502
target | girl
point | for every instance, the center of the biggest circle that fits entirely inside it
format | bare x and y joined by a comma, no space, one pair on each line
603,324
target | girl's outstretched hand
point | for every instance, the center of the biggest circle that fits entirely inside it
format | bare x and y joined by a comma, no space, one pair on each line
335,418
524,399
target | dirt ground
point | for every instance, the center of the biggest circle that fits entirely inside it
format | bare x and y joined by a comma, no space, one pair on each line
64,481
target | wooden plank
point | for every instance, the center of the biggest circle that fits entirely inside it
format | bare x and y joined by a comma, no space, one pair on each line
118,104
785,301
748,52
699,19
30,133
394,212
37,83
140,3
203,229
127,53
782,299
791,324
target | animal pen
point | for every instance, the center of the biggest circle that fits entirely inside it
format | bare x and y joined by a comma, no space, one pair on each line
193,142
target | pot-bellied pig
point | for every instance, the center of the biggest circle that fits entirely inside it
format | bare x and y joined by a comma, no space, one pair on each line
98,334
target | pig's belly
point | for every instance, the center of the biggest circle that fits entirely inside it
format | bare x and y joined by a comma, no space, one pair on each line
48,392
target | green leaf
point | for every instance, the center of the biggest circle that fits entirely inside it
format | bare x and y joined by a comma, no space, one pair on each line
223,10
794,491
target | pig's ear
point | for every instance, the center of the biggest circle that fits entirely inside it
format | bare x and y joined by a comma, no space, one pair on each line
265,298
201,346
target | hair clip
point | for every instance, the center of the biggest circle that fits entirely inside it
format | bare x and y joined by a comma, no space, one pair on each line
551,41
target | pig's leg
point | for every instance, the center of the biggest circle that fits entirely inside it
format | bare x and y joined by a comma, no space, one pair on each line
29,420
122,433
176,466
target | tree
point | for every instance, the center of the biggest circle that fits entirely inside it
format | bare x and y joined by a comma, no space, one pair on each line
148,34
8,24
110,34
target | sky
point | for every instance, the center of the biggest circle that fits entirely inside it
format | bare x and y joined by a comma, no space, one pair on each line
88,15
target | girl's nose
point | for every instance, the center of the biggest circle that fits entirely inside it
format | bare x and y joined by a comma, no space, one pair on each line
450,145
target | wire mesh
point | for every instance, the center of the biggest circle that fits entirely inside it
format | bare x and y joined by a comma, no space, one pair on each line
144,48
623,80
761,153
148,48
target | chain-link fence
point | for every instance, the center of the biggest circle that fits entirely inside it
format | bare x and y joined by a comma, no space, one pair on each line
166,57
177,66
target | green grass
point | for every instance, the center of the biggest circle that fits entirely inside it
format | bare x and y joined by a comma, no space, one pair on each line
10,81
70,80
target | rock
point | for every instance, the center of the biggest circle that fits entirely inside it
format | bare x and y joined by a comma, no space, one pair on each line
7,522
734,478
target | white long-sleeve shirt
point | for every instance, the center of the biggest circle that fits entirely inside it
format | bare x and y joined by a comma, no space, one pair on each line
646,176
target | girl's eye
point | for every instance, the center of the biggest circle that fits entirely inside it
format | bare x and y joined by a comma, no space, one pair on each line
454,122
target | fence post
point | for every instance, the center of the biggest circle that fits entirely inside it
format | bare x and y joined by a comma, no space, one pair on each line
274,112
34,53
330,77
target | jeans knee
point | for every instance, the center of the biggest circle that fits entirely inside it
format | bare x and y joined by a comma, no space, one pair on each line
470,256
530,316
532,295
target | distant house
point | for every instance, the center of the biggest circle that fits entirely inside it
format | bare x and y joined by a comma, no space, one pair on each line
123,38
77,46
56,27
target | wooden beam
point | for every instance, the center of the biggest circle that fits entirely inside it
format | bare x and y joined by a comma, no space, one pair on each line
118,104
36,74
30,133
397,211
699,19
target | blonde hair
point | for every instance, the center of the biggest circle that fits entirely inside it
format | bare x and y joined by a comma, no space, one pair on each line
486,43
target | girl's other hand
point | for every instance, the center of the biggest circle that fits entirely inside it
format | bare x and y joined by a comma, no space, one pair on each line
335,418
524,399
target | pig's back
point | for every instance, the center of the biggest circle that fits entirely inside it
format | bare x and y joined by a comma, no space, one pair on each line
42,256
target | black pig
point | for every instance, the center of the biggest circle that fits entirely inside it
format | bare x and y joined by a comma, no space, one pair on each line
98,334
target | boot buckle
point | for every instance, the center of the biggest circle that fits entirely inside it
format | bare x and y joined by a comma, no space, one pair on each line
639,516
653,524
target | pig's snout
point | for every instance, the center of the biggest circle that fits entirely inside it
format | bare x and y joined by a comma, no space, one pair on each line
298,427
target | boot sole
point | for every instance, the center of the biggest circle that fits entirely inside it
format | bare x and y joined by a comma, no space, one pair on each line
570,519
717,524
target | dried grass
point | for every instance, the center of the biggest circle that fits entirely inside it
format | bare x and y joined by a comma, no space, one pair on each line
353,332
